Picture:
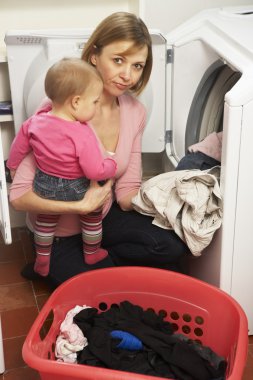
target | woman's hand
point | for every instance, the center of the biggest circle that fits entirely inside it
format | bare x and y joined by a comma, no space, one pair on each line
12,173
125,203
95,197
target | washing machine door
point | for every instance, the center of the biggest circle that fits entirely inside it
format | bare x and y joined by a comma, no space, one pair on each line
212,75
212,59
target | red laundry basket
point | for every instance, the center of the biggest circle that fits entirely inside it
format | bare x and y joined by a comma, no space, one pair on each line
200,311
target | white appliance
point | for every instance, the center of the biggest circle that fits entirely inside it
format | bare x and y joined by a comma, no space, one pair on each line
202,81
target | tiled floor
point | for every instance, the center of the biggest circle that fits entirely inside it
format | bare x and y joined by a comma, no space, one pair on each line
20,302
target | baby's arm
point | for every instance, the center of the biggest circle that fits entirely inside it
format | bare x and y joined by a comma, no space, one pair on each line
94,164
20,147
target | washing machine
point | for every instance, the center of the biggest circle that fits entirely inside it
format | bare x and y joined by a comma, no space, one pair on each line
202,81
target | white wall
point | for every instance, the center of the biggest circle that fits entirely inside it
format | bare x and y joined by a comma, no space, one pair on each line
39,14
168,14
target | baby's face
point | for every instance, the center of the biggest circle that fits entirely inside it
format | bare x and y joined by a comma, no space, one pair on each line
88,101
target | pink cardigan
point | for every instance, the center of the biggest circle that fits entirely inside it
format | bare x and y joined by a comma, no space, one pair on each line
127,157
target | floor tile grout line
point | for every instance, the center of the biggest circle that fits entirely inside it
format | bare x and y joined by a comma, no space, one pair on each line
15,337
35,297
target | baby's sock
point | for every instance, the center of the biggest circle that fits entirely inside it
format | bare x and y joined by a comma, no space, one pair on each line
41,265
95,257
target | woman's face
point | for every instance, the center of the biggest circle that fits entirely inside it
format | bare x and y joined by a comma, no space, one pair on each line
120,71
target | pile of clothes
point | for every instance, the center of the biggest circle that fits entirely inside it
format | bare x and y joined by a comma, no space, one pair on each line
188,200
128,338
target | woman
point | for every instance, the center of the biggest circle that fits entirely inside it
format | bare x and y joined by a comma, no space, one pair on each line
120,49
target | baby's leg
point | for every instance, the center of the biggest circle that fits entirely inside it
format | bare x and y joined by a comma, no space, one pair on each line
43,237
91,225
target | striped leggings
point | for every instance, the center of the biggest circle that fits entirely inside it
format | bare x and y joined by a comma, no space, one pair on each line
45,227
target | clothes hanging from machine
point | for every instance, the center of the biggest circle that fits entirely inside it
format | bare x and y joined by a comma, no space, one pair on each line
187,201
211,145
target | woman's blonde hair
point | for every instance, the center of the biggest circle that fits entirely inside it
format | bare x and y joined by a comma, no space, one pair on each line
69,77
126,27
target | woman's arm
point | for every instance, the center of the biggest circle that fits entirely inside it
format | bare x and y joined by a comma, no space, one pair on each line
125,203
128,184
23,198
95,198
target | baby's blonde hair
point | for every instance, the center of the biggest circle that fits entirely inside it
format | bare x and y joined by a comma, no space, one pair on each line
69,77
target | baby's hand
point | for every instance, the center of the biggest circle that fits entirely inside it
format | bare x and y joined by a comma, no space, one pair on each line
12,173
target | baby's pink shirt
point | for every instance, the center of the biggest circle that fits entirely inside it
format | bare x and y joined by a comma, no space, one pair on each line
127,156
62,148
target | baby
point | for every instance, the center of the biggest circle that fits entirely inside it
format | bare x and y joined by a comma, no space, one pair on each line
67,153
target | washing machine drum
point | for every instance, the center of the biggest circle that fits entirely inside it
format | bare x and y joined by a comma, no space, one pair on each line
206,112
